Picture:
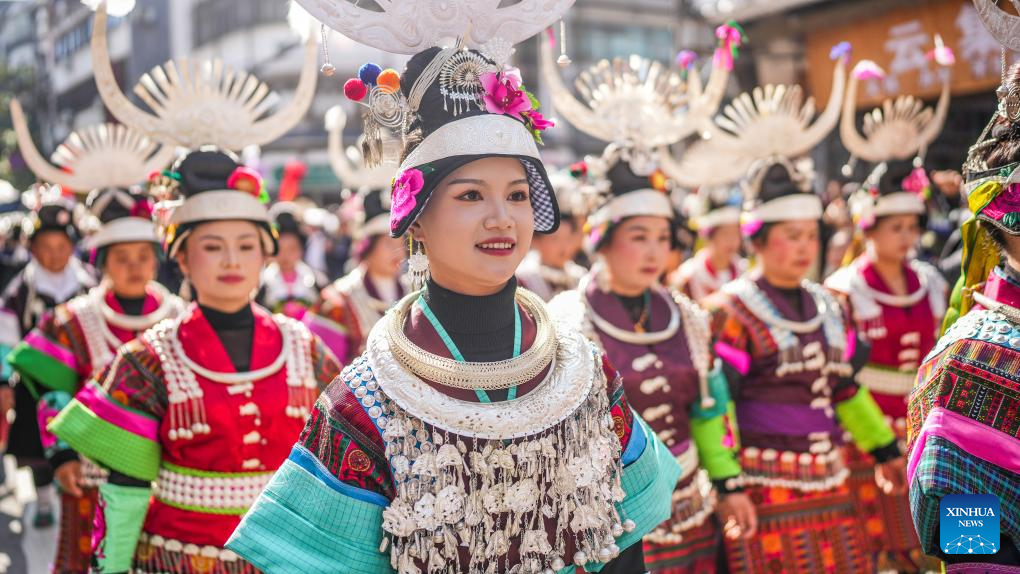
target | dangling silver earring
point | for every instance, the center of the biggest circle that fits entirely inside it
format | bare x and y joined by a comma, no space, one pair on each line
417,264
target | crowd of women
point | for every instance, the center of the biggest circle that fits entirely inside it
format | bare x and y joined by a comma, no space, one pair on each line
517,373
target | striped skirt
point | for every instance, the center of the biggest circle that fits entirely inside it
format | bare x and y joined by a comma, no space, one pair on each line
158,555
74,543
802,532
886,519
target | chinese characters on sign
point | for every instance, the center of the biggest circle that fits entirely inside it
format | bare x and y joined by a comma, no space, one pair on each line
901,41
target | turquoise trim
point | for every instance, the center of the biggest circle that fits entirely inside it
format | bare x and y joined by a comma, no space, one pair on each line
457,356
300,524
649,483
636,444
122,511
6,370
304,458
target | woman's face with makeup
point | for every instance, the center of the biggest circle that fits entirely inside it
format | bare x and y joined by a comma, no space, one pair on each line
223,261
637,253
477,226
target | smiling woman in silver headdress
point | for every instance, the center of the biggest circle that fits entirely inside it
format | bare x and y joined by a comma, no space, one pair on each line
473,434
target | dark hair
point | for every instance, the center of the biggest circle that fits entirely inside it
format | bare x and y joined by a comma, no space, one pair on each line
895,172
761,236
995,234
777,183
607,239
1007,150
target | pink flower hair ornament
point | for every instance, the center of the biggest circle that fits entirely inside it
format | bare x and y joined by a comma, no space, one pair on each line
503,93
1005,207
917,183
404,196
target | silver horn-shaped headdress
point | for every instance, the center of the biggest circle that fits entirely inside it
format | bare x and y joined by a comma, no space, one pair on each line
103,155
198,103
899,129
405,27
634,102
349,164
768,122
1005,27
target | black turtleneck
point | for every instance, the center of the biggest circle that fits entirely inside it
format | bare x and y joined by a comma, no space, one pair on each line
635,306
131,305
793,296
483,330
236,332
481,327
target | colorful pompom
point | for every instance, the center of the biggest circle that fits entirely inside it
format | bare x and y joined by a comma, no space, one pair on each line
868,70
579,169
389,81
685,59
942,55
841,50
658,180
368,73
355,89
245,179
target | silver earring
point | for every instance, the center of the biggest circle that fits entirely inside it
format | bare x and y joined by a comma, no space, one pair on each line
417,265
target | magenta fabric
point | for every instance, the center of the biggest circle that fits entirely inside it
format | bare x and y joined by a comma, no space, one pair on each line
334,339
1000,289
981,568
93,398
984,442
40,342
740,360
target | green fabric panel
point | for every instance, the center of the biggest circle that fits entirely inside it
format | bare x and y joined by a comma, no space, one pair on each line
37,369
649,482
863,419
715,457
123,510
106,443
328,532
718,389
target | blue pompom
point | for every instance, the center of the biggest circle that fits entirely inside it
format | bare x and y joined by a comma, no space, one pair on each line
368,73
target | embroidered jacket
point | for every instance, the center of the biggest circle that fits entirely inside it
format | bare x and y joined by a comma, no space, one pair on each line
386,477
159,413
901,330
794,387
663,382
964,416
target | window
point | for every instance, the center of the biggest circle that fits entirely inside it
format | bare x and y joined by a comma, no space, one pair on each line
597,40
78,38
215,18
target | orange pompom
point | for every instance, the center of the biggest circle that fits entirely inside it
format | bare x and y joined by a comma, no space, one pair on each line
388,81
658,180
